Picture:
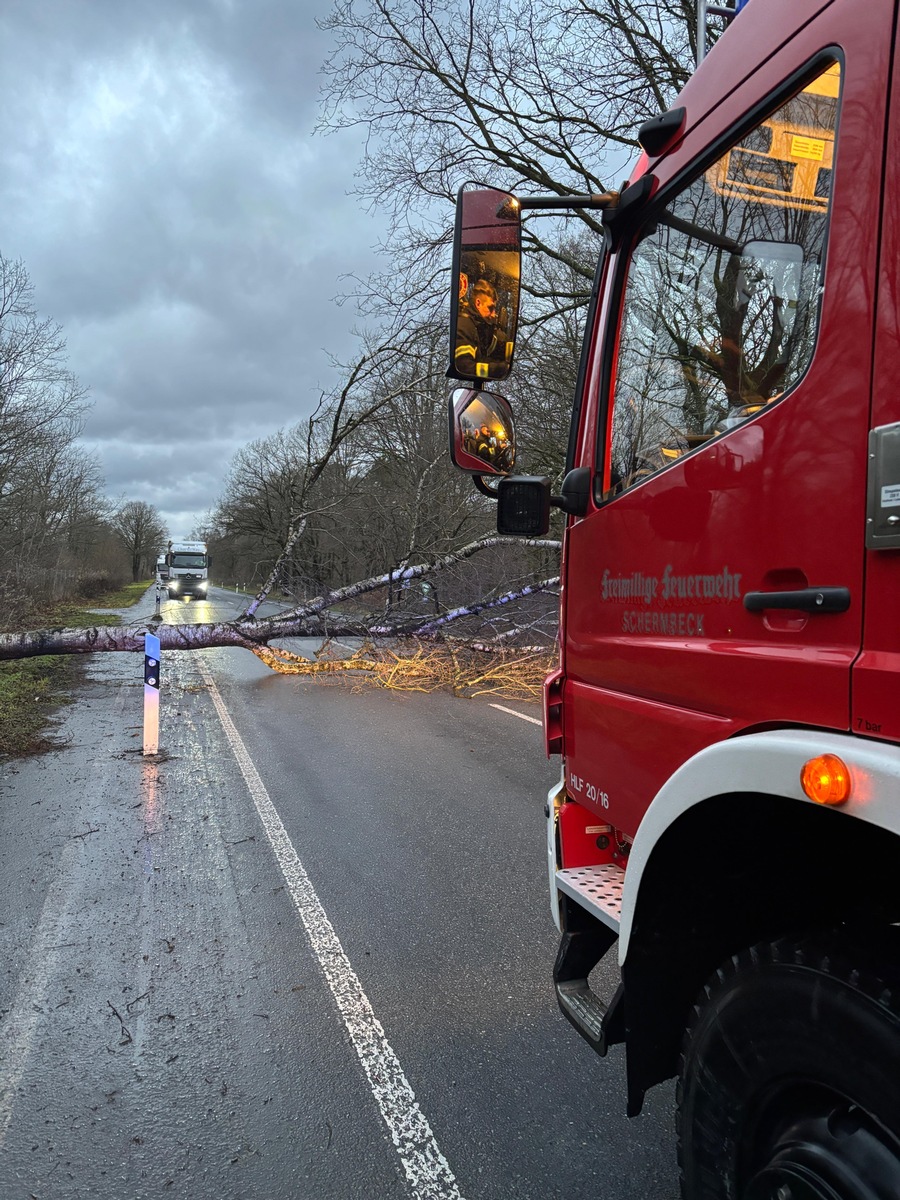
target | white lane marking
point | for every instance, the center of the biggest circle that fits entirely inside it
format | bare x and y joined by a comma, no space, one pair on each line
427,1171
17,1030
521,716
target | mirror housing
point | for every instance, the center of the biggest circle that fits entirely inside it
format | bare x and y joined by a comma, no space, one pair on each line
575,492
484,295
482,433
523,506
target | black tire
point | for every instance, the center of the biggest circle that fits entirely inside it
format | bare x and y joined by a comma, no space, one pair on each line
789,1086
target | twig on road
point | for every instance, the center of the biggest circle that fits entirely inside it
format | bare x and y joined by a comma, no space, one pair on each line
126,1036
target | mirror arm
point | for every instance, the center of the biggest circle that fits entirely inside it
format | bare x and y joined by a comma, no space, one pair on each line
574,492
574,497
509,207
570,505
482,487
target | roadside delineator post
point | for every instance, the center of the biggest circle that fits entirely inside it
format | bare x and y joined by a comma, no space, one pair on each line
151,693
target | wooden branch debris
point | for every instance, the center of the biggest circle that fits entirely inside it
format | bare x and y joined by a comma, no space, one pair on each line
411,667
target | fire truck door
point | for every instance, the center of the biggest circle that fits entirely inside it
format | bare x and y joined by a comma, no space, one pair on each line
717,583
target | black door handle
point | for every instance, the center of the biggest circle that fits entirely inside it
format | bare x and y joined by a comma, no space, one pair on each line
811,599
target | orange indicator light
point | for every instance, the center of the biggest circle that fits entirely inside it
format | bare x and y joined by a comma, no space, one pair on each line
826,779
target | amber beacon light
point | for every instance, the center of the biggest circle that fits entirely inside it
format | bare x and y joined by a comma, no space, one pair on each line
826,779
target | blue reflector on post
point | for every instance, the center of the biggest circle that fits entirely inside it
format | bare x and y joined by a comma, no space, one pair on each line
151,693
151,660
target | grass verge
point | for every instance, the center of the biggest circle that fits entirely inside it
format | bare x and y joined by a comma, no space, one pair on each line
32,689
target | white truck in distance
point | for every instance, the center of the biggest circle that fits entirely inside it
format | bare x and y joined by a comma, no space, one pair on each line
188,565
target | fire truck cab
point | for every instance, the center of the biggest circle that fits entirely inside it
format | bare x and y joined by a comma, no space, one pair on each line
727,702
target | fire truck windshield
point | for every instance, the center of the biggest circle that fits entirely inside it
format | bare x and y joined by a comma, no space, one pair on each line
721,303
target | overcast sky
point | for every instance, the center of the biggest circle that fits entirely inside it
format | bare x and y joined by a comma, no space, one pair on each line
161,183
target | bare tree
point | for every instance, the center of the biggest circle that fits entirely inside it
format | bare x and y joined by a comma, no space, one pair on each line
51,506
545,95
287,495
142,533
41,401
534,97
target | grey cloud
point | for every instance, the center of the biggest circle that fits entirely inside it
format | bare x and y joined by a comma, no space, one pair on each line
159,180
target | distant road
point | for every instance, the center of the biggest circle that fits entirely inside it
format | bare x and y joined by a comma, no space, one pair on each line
307,954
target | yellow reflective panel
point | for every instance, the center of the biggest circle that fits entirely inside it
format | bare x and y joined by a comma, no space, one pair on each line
787,160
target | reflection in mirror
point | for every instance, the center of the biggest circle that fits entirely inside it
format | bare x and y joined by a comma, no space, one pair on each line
485,300
485,325
482,434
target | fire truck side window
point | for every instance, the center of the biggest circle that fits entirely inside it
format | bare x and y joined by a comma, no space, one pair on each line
721,304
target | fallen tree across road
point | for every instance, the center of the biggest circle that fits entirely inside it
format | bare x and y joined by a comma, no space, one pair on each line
313,619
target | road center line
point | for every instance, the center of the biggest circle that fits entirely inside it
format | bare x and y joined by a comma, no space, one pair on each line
521,716
427,1171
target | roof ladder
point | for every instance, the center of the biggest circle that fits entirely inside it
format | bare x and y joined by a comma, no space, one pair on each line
704,11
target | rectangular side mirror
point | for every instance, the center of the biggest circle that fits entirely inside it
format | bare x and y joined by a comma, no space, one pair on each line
484,297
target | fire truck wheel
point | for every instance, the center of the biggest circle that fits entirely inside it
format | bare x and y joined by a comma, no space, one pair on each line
790,1077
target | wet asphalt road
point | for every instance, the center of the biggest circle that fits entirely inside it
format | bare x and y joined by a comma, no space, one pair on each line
306,954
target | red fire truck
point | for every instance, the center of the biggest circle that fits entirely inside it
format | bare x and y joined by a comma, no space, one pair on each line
727,702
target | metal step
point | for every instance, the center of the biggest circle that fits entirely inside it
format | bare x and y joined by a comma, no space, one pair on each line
596,889
585,1010
580,950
